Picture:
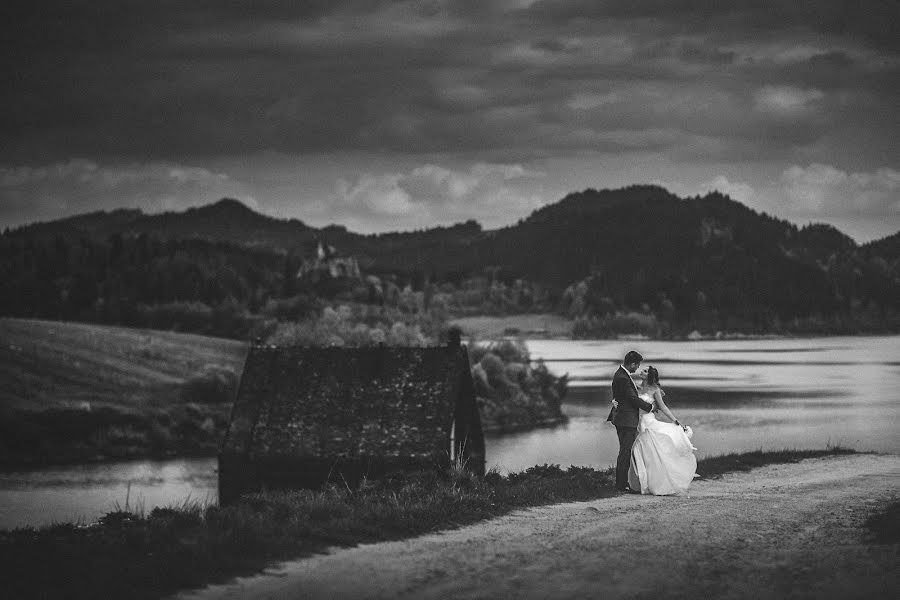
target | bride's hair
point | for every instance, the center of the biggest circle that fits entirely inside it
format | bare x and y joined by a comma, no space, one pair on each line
652,376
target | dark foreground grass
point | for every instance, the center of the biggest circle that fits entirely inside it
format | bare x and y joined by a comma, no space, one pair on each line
148,556
885,525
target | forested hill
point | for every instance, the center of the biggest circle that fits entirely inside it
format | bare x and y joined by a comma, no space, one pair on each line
643,245
227,221
887,248
695,262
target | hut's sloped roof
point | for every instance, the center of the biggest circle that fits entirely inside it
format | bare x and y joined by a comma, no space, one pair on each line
345,402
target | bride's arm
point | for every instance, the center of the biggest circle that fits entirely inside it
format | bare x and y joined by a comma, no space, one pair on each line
657,396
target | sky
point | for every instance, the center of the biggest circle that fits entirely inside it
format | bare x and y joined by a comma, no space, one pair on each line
398,115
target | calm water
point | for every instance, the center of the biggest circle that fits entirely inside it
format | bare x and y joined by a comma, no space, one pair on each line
737,395
85,492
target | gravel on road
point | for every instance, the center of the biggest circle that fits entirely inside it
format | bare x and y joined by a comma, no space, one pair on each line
780,531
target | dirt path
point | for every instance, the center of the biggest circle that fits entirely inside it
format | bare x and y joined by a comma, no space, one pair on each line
781,531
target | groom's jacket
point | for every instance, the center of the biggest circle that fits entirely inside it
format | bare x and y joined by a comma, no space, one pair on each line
625,393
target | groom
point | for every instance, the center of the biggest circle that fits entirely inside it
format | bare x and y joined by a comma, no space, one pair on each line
625,414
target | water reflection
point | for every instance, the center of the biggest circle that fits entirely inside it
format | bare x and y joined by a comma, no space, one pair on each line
82,493
737,395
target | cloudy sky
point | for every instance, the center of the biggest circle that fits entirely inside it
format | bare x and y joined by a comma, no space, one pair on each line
406,114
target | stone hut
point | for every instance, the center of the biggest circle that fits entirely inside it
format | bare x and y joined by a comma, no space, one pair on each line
303,416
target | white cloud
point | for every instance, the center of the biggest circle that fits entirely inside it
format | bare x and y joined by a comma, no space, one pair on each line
742,192
786,100
29,193
376,194
588,101
432,195
779,52
825,189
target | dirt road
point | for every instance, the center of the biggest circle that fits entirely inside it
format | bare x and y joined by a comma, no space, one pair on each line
783,531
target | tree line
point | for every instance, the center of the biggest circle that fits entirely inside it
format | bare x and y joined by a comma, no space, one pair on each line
635,260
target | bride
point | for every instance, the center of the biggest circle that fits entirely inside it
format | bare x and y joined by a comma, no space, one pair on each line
662,457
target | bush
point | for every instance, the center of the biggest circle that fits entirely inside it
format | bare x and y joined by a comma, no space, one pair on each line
160,437
512,351
359,325
513,392
215,384
609,326
227,319
293,308
495,370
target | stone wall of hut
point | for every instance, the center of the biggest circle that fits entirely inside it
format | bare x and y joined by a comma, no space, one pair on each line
304,415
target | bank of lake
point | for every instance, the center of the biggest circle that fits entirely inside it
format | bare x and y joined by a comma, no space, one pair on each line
141,556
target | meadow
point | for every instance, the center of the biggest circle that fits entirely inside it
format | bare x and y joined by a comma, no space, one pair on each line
73,392
531,325
78,392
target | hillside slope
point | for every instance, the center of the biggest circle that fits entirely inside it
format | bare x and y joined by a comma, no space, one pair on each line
50,365
645,249
71,392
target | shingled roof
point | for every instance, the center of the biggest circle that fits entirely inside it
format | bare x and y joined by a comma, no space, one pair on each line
304,414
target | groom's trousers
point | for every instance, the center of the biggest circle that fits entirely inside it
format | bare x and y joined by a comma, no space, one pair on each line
623,462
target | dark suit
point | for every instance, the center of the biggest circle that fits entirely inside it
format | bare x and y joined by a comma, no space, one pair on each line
625,418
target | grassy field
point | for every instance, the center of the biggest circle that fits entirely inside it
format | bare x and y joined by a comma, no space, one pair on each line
72,391
527,325
78,392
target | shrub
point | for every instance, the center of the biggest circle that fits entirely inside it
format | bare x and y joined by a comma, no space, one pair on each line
495,370
359,325
293,308
608,326
215,384
511,391
159,437
512,351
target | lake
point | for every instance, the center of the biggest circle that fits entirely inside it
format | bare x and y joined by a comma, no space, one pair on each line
737,395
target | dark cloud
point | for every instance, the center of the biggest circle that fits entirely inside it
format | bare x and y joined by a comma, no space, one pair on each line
143,87
51,191
877,22
173,79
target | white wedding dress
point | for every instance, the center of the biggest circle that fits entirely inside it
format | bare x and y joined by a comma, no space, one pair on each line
662,457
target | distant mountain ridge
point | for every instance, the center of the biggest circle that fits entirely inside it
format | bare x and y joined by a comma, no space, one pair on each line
229,220
639,248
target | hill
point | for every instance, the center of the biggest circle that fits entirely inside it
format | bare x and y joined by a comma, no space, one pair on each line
73,392
76,392
227,221
886,250
705,261
632,260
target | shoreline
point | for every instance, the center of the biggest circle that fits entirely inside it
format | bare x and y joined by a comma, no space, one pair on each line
101,459
82,393
551,326
497,430
149,556
821,528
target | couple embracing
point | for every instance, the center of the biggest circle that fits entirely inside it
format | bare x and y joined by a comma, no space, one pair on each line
655,457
